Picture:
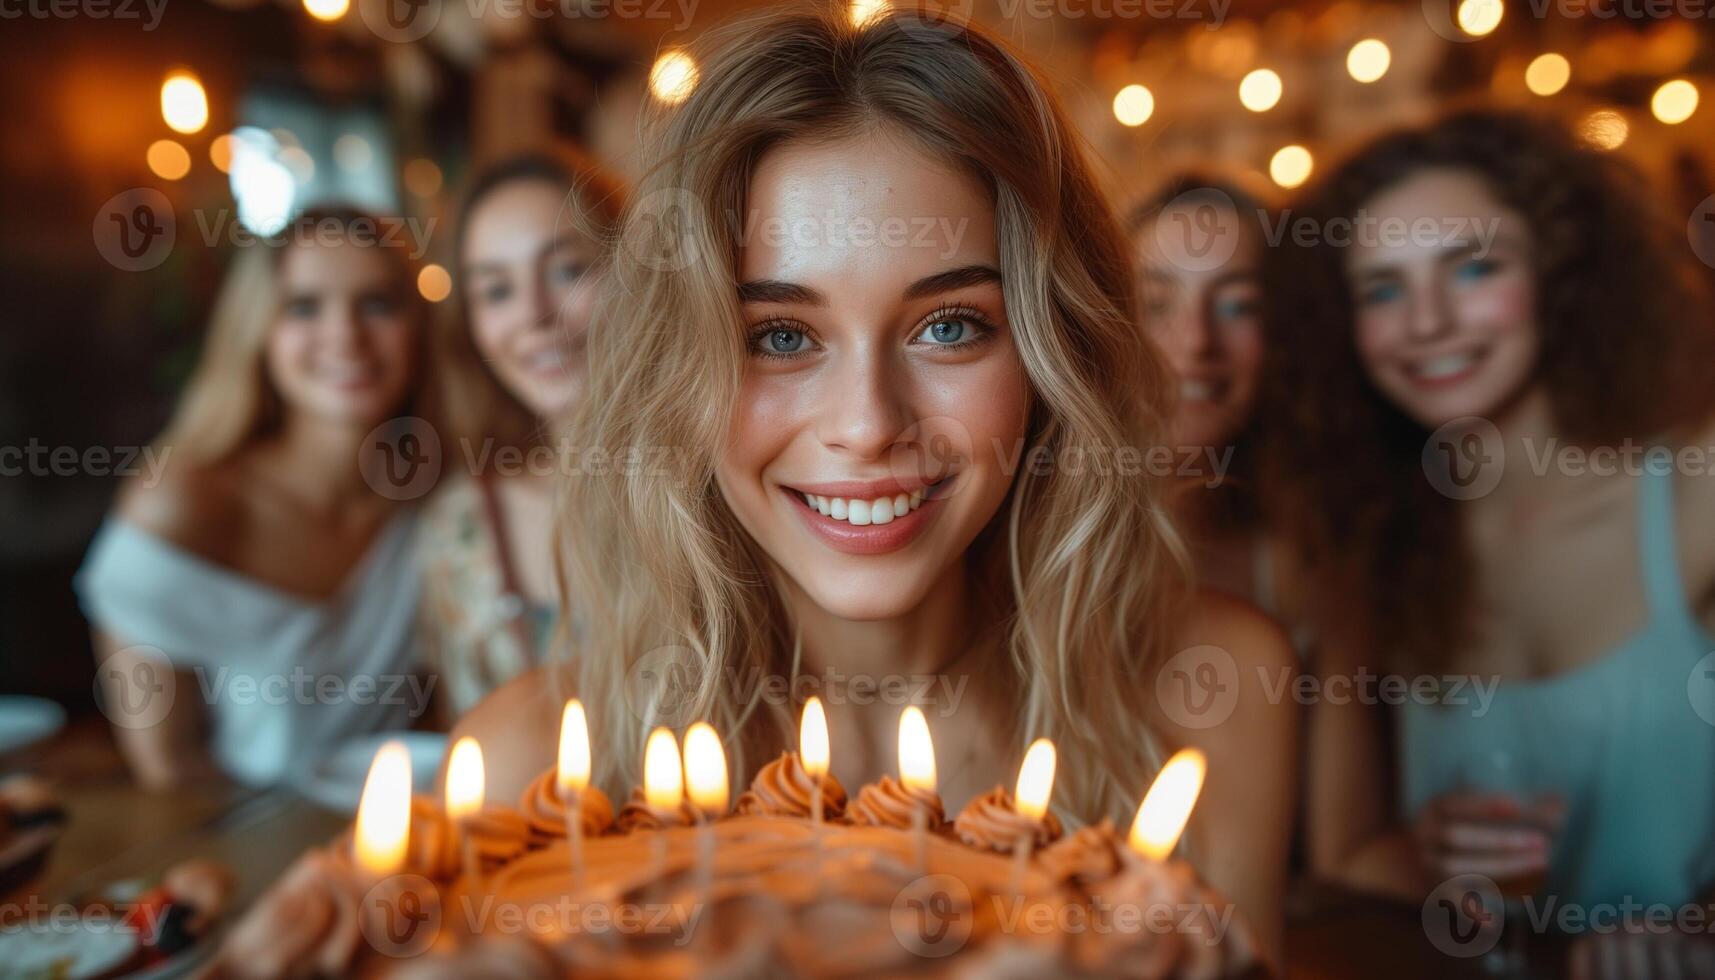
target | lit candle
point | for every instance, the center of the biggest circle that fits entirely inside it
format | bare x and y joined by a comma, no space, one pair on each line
1167,807
813,752
663,789
464,792
572,778
917,775
706,780
383,833
1030,799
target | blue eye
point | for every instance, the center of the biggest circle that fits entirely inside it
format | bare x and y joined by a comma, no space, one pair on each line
1234,309
945,331
302,307
1381,292
783,340
1474,269
568,272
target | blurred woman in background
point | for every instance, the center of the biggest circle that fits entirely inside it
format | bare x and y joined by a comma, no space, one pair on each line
253,608
1199,242
1490,332
529,236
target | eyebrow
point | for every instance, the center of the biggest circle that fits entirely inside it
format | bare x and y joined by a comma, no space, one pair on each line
548,248
778,291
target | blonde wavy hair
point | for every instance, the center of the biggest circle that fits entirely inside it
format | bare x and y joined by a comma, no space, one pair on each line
1090,571
228,403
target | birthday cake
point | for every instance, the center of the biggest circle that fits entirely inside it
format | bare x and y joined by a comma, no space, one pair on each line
797,879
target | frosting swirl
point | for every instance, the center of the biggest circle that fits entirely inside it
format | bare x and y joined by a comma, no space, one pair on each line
498,834
890,803
637,814
783,788
545,810
992,821
1089,855
1197,944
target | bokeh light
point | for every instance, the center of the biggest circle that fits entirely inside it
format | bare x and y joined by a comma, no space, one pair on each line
1134,105
1290,166
1368,60
1548,73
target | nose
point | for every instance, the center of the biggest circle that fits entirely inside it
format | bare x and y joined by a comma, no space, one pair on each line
1187,335
542,300
865,406
1429,314
341,328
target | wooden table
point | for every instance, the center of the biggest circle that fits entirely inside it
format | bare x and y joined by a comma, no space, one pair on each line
119,831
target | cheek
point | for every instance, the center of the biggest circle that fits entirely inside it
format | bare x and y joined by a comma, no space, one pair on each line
1375,333
992,405
1243,349
768,414
489,327
1505,306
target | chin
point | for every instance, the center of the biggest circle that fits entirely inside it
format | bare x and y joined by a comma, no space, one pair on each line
863,597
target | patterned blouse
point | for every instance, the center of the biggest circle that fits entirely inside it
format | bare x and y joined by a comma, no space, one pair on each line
477,633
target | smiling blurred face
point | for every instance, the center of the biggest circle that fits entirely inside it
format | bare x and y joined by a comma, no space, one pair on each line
531,292
343,346
1206,318
1446,329
877,364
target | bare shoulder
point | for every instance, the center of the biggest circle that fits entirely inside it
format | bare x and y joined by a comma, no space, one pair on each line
1228,677
517,726
1250,636
193,505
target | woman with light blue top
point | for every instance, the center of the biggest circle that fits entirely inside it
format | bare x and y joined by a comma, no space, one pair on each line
1495,461
253,608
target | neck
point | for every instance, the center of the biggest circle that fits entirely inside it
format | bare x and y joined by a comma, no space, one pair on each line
318,460
1528,431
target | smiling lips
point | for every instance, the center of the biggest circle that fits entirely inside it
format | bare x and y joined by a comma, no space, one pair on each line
867,519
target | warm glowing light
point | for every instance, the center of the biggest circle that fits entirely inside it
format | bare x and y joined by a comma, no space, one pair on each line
1605,129
184,104
168,160
1134,105
916,751
1167,806
327,10
465,780
1480,17
1260,90
1674,102
663,779
1035,780
423,177
1548,74
705,769
383,831
1368,60
434,283
864,11
813,749
572,768
673,77
220,152
1290,165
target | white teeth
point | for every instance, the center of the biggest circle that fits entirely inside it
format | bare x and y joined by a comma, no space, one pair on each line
1196,391
862,513
1445,366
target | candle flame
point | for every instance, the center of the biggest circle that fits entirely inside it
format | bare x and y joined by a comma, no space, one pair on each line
1167,806
813,738
383,830
916,751
1035,780
465,780
663,779
572,772
705,769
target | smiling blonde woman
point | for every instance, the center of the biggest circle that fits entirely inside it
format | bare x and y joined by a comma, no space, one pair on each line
865,394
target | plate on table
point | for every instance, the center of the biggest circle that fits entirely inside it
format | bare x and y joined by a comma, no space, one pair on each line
102,937
337,782
26,721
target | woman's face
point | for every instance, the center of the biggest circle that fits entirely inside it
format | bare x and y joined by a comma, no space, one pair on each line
343,347
1445,316
1206,318
882,379
531,292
